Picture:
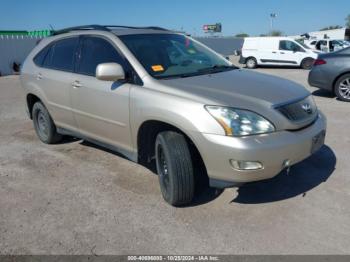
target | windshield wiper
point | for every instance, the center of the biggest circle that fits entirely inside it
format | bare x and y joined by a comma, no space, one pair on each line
212,69
217,68
179,75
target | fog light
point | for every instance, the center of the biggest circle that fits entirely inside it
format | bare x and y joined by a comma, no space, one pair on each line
246,165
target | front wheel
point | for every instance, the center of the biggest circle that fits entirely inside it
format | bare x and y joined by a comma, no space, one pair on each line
251,63
174,168
342,88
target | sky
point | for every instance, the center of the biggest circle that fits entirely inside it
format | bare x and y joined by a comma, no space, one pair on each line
237,16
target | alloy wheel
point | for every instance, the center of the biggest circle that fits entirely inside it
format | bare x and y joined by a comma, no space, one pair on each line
42,124
344,88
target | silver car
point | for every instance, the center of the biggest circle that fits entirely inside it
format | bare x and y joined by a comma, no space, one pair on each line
331,71
166,101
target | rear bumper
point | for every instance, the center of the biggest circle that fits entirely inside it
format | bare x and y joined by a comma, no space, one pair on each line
271,150
318,78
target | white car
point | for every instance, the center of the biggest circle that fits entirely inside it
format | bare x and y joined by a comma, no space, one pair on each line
344,43
311,43
276,51
328,45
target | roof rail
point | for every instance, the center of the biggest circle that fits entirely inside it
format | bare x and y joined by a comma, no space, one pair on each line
103,28
137,27
82,27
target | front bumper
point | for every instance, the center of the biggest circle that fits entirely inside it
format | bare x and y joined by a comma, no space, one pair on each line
272,150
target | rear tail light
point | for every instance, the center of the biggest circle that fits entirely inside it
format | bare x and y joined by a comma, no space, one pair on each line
319,62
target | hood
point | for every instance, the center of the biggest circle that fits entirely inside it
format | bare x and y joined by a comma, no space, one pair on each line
238,88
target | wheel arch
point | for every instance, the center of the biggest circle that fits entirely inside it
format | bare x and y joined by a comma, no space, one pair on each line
253,57
31,99
337,78
146,137
306,58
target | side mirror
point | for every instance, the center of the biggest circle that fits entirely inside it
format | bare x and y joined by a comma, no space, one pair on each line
110,72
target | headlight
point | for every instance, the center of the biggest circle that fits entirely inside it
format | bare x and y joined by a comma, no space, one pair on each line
238,122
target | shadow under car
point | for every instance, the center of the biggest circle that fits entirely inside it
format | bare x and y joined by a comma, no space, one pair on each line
302,177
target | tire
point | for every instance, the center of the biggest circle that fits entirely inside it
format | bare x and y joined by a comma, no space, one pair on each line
307,63
251,63
43,125
174,168
342,88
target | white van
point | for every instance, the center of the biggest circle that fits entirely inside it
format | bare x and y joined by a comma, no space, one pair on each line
277,51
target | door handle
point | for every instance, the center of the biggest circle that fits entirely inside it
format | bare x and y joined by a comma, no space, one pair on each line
282,53
274,52
76,84
39,76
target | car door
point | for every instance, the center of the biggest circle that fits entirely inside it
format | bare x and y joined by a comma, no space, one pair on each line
290,53
324,46
101,108
268,51
54,75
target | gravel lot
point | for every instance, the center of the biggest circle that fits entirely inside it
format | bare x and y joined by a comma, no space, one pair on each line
76,198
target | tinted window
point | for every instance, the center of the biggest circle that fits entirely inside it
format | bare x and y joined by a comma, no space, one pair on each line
96,51
290,46
63,54
40,57
47,60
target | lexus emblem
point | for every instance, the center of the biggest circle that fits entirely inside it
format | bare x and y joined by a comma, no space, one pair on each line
307,108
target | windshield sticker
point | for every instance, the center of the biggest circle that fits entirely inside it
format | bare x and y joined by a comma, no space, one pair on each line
157,68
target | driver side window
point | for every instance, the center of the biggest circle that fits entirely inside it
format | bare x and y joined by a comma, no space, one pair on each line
95,51
290,46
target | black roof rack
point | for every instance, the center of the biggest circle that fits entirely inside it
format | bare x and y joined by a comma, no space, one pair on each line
137,27
82,27
103,28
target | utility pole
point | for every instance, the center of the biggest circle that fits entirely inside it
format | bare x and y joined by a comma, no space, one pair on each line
272,16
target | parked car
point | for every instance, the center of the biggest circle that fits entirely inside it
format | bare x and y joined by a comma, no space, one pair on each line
332,72
277,51
311,43
327,45
344,43
185,113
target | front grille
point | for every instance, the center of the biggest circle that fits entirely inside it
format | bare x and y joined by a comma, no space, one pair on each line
301,110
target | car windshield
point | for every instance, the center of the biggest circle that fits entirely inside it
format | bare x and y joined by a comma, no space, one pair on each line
174,55
337,42
303,45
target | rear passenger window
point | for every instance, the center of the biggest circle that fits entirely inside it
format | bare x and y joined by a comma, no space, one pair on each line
95,51
62,57
40,57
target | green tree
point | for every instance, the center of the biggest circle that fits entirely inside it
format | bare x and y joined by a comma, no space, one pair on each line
276,33
242,35
330,27
347,19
